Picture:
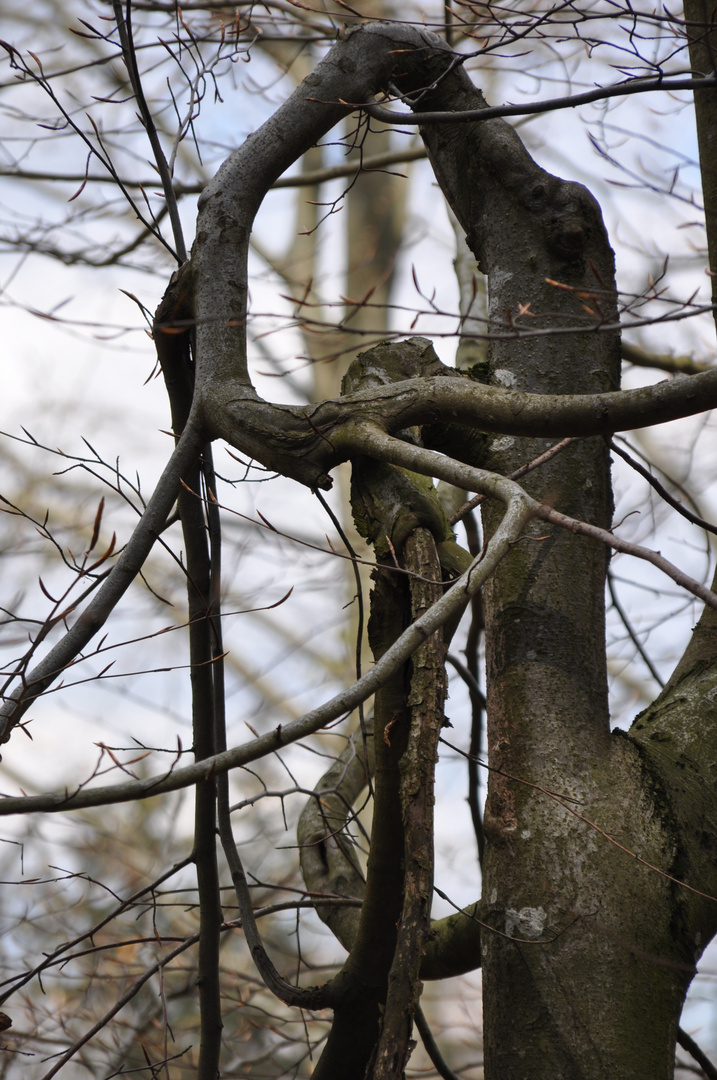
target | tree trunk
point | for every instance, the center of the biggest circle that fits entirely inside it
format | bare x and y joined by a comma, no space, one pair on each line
589,959
701,26
590,949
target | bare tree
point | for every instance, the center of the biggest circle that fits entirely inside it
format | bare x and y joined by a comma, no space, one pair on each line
596,847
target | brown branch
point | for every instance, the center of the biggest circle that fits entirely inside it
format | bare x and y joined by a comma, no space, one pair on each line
124,29
199,586
676,365
547,513
688,1043
417,769
120,1004
625,89
661,490
431,1047
373,163
57,956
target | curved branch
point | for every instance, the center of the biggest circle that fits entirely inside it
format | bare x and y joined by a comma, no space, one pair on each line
432,1048
305,442
509,412
384,448
362,61
310,997
328,864
453,946
518,511
676,365
371,440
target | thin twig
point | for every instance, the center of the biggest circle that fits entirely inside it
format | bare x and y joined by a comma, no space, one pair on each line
124,28
624,89
632,634
123,573
552,452
431,1046
547,513
662,490
688,1043
120,1004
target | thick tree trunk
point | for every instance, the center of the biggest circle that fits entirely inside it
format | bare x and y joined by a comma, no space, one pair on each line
586,968
701,27
588,951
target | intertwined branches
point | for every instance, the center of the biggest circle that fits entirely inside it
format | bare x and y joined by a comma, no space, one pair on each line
139,91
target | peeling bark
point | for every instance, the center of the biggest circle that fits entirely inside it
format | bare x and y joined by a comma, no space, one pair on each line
417,771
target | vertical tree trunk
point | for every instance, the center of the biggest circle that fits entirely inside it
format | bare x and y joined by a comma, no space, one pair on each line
583,973
701,26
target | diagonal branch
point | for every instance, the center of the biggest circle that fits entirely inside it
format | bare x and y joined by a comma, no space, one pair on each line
518,510
123,573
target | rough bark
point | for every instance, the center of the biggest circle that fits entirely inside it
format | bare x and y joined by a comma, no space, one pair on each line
701,27
356,1026
562,900
329,863
592,947
417,771
391,507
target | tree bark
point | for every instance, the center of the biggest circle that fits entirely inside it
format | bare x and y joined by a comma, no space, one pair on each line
600,871
701,27
417,772
561,898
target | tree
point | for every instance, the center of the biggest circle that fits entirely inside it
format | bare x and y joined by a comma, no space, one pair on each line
599,872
